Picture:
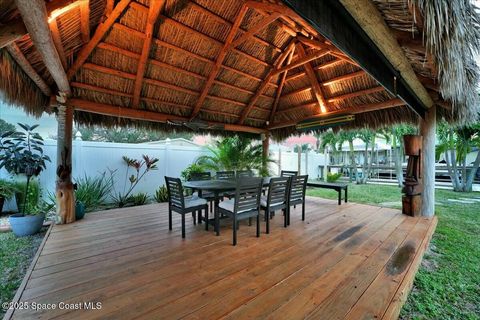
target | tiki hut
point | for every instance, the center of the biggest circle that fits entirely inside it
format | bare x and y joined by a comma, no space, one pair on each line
242,66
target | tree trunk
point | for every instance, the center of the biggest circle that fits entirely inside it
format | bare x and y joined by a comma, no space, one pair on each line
64,189
471,175
427,129
353,163
398,161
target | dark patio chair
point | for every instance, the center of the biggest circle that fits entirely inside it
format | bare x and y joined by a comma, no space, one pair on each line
225,175
179,203
276,199
245,205
209,196
286,173
296,194
244,174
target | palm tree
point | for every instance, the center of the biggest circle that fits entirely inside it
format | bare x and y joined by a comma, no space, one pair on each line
349,136
397,133
456,143
235,153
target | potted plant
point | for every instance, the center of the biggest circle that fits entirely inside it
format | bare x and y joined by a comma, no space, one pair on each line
22,154
7,191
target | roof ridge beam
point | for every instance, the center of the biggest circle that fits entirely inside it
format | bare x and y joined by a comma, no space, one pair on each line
154,11
102,29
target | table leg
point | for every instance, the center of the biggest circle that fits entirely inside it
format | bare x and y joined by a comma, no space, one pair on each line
215,210
339,196
346,194
200,211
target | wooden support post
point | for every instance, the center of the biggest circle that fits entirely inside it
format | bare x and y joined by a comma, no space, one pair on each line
427,130
64,188
265,151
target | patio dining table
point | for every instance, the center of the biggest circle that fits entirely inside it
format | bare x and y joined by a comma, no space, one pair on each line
217,187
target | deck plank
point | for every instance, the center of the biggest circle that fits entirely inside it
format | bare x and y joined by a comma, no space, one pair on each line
332,265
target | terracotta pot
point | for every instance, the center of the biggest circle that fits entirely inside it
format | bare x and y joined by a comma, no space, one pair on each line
413,144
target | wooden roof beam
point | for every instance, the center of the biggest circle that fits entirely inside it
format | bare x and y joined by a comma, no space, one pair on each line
352,110
255,29
317,67
188,53
283,78
85,20
18,56
35,17
301,62
221,19
144,115
280,60
344,77
216,67
356,94
97,37
312,77
155,8
57,40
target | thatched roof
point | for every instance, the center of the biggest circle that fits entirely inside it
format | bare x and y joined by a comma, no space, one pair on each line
184,76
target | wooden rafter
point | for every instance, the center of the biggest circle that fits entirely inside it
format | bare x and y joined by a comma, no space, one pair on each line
317,67
153,13
133,32
344,77
297,91
268,77
312,77
109,7
283,77
35,17
97,37
256,28
216,67
221,19
18,56
356,94
137,114
57,40
302,61
351,110
191,30
85,20
325,45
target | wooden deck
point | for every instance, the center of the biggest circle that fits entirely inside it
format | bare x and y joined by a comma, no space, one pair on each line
350,261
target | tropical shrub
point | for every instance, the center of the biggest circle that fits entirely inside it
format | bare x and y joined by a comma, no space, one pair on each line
139,199
161,194
93,191
188,171
141,167
7,189
235,153
332,177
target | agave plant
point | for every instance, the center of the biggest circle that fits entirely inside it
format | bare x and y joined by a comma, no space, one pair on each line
235,153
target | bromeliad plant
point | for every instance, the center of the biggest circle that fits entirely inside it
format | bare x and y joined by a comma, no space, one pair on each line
22,154
140,167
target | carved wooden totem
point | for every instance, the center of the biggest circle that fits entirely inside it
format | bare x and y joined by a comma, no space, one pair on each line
413,185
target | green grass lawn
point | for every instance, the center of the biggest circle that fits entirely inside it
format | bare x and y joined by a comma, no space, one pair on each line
15,257
447,285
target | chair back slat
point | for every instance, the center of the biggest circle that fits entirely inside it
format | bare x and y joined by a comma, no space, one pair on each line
175,192
286,173
244,173
298,185
278,190
200,176
247,194
225,175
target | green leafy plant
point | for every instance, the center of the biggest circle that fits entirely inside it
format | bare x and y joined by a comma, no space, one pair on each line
161,194
7,189
141,167
235,153
188,171
332,177
28,202
93,191
22,153
139,199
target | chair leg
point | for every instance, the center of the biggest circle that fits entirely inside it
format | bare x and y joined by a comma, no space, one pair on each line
206,220
169,219
267,213
194,216
235,231
303,211
288,216
285,217
183,225
199,216
258,225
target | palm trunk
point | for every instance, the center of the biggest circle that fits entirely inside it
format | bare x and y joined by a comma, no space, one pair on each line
471,175
353,164
398,161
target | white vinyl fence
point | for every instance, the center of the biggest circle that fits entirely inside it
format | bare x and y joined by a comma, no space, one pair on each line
94,158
